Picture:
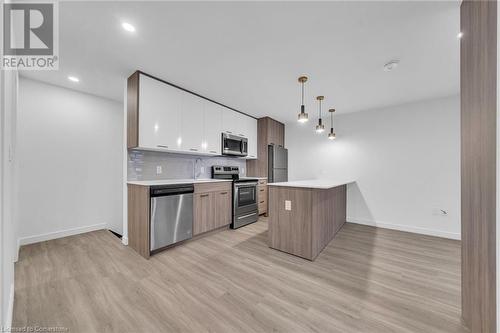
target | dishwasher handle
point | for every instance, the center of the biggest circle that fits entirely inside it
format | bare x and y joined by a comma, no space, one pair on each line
166,190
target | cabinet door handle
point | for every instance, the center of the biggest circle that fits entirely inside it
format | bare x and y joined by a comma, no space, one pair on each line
262,202
213,152
262,190
229,132
203,195
222,193
162,146
193,149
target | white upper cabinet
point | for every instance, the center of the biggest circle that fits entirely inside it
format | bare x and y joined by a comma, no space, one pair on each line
172,119
212,140
230,121
251,129
159,116
192,118
239,124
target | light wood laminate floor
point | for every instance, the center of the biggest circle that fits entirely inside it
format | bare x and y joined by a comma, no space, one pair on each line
366,280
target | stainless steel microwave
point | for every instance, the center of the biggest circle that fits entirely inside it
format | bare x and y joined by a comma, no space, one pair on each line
234,145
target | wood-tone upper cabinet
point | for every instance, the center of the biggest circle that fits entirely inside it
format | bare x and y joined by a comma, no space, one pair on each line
269,132
159,119
280,139
212,143
276,133
223,208
204,212
192,122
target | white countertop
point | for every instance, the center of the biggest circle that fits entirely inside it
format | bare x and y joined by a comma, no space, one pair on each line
175,181
313,183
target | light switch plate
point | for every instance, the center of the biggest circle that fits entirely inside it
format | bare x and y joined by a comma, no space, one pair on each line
158,169
288,205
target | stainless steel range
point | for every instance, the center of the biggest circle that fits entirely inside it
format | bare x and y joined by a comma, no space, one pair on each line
245,204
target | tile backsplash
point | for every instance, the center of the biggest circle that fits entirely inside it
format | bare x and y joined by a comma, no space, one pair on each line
144,165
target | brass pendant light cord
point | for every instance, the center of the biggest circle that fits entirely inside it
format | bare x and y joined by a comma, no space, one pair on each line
302,93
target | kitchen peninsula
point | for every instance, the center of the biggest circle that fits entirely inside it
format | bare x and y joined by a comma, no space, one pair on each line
304,216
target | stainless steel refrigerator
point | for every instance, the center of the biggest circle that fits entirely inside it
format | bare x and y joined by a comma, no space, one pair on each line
277,164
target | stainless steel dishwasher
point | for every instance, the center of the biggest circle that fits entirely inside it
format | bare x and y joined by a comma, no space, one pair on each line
171,214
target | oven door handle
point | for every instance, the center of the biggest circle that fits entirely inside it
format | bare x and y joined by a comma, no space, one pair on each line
244,216
246,184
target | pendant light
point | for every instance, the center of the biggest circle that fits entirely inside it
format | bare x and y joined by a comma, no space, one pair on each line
303,116
331,135
320,128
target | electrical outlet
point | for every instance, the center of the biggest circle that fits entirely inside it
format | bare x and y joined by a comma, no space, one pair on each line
443,212
288,205
158,169
439,212
243,170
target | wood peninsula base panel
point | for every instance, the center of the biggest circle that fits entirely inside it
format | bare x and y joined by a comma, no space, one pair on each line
302,221
138,219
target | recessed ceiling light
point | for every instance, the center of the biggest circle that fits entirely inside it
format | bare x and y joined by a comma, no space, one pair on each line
73,79
128,27
391,65
460,35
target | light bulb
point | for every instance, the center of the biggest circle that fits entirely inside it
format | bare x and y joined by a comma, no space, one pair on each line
303,117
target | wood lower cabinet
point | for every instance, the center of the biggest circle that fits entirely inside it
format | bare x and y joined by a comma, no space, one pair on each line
138,219
204,213
262,196
212,206
223,208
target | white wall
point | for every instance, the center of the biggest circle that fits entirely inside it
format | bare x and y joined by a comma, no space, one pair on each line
405,160
70,162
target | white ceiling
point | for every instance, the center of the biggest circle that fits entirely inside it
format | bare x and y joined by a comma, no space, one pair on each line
249,55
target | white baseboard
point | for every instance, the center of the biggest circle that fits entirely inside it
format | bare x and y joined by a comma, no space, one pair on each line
16,255
10,310
60,234
125,240
416,230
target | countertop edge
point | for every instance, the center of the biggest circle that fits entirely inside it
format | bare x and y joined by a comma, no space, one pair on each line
312,185
174,182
